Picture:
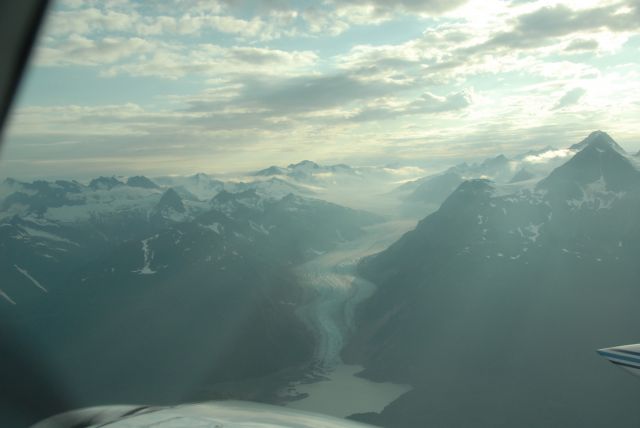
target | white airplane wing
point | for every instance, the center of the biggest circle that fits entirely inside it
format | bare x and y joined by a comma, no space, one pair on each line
627,357
226,414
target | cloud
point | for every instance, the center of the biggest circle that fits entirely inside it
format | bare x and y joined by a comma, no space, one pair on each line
336,16
571,97
308,93
582,45
382,91
79,50
322,21
548,156
88,20
141,57
176,18
361,11
520,39
263,56
427,104
535,29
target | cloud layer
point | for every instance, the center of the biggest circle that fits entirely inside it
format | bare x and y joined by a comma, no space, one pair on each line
341,80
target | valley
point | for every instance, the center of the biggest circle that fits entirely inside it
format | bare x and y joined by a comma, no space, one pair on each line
280,287
335,292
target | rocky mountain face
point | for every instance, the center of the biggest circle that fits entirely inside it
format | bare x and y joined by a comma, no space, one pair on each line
132,293
493,307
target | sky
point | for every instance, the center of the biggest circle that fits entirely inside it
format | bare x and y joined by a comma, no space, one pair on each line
183,86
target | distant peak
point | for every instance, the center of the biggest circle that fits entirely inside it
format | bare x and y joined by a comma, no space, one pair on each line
500,158
171,199
497,161
105,183
199,176
598,140
476,185
599,157
171,192
473,188
10,181
522,175
494,164
272,170
290,197
469,192
141,181
304,164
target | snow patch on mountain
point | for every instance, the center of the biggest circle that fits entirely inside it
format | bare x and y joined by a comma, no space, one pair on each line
6,297
46,235
31,278
596,196
104,202
534,231
259,228
148,257
216,227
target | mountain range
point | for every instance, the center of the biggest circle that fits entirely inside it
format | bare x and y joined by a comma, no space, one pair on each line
493,306
523,170
162,289
132,293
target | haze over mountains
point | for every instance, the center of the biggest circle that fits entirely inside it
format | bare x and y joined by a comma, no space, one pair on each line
157,289
522,170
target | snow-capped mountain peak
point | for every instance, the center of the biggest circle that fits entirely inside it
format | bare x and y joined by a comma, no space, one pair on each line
598,140
304,165
601,160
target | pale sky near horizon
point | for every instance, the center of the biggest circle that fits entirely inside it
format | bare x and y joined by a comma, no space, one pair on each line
179,86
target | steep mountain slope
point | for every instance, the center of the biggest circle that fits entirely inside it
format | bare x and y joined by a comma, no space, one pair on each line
494,305
170,206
